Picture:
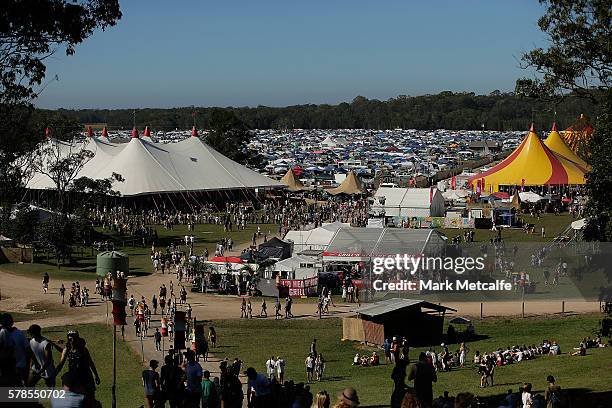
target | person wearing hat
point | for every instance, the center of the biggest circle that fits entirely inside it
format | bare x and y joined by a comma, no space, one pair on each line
347,398
41,365
80,364
258,389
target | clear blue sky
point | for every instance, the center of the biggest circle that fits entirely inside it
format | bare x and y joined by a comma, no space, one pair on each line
276,53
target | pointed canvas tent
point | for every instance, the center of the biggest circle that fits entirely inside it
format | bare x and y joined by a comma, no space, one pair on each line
350,185
532,163
215,166
104,136
292,183
555,142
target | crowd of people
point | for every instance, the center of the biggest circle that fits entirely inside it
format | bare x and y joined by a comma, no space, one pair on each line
27,362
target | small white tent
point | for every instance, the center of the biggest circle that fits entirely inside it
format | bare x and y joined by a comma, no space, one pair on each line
408,202
316,239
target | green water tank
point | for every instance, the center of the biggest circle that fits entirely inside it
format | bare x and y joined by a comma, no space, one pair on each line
112,261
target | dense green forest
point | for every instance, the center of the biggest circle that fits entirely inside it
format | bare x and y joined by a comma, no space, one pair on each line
446,110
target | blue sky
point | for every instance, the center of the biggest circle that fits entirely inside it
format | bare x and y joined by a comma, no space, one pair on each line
277,53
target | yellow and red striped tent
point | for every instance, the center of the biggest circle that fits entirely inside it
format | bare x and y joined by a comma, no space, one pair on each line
532,163
578,135
555,142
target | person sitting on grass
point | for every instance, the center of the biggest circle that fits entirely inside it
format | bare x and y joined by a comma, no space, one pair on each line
357,360
580,351
374,359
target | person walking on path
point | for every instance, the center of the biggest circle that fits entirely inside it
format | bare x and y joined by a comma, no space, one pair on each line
277,309
157,337
209,391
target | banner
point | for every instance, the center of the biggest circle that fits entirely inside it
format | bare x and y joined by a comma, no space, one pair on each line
458,222
301,287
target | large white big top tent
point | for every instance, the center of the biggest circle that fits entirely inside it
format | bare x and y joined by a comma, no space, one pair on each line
148,168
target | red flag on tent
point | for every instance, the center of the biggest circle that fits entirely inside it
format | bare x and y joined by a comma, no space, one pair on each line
89,131
134,133
453,183
104,132
147,132
194,131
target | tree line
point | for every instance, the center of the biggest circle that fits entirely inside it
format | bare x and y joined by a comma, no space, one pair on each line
446,110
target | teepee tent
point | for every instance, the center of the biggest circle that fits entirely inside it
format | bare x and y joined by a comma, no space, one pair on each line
350,185
532,163
555,142
292,183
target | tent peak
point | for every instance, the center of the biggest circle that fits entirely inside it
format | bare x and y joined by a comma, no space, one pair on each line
134,133
554,127
194,131
47,132
147,132
532,128
104,132
90,131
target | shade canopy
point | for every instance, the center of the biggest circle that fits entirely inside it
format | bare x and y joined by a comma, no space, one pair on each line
532,163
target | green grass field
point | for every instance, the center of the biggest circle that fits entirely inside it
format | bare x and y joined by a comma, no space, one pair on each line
553,226
100,344
254,341
84,267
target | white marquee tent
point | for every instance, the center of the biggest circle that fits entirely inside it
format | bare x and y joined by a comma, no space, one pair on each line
316,239
147,167
408,202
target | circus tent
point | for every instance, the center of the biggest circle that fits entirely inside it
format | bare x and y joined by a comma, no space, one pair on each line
147,167
555,142
532,163
579,134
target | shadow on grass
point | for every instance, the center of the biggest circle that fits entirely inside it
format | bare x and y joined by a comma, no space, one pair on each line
576,397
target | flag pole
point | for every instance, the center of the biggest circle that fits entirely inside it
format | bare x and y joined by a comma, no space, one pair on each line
114,387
